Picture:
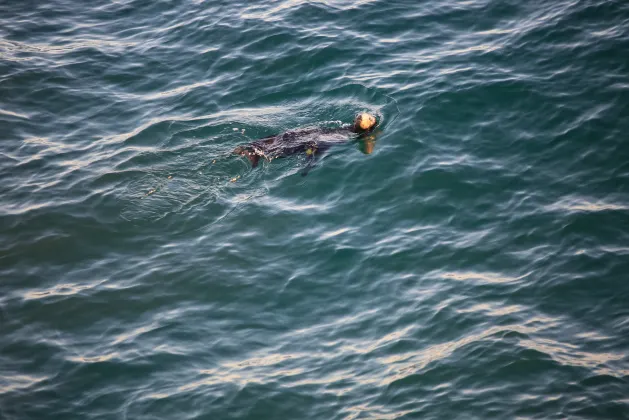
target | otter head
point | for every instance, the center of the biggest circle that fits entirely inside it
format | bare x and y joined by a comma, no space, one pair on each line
364,122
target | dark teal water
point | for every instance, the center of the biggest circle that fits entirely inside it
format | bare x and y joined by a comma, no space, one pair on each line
475,265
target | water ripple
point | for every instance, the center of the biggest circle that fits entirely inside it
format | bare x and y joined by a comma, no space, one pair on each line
472,264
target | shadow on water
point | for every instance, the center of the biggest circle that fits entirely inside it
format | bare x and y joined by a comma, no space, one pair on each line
194,171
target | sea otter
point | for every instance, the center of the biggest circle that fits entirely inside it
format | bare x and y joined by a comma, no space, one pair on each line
313,142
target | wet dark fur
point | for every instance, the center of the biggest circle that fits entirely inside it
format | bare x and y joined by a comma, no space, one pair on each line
295,142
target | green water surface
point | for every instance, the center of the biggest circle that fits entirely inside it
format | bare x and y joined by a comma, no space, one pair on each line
473,266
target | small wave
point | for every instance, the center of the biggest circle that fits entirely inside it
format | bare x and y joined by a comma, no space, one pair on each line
482,277
575,204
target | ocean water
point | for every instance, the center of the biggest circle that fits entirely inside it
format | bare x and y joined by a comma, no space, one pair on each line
474,265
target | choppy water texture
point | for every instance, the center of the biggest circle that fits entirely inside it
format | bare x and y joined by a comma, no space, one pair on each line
473,266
